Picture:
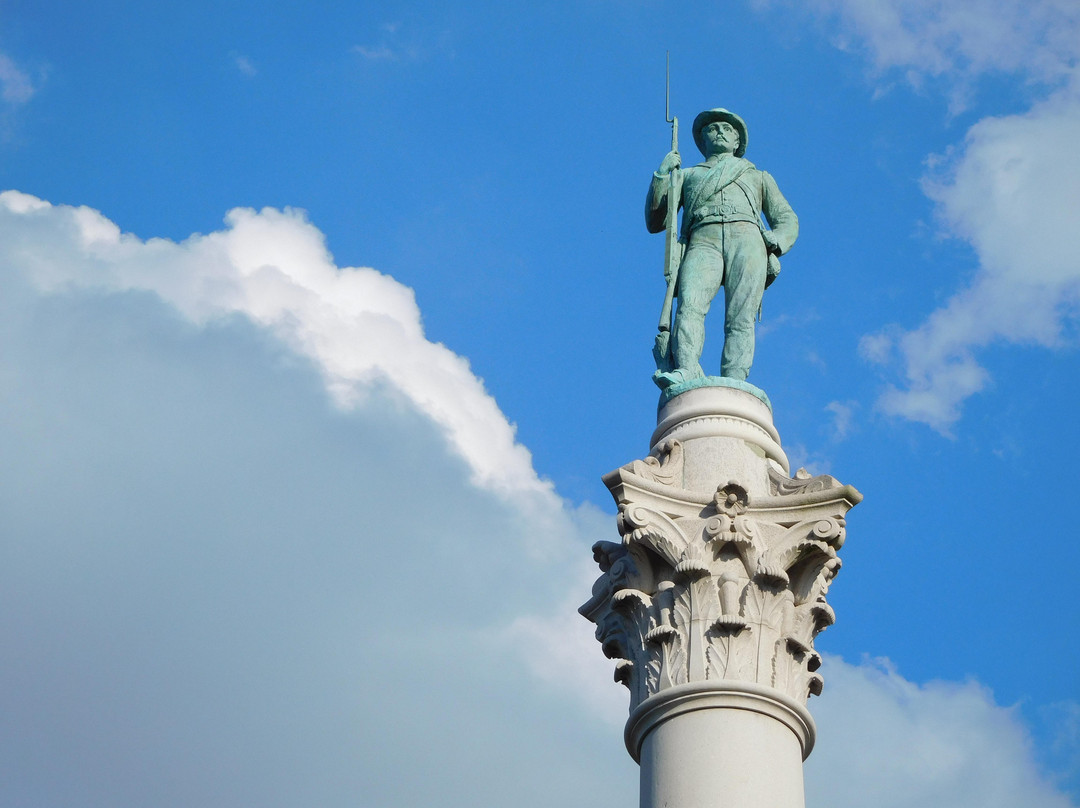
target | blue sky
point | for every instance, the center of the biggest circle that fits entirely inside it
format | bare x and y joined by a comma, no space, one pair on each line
319,325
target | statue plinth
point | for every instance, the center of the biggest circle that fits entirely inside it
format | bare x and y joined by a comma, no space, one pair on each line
710,604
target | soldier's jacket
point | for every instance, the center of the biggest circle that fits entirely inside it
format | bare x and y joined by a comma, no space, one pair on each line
730,189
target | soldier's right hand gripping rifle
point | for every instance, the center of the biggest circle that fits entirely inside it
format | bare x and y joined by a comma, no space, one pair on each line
672,247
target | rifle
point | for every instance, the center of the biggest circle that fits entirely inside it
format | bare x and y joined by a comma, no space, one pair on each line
672,247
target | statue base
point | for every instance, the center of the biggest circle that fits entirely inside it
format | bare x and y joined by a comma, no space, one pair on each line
723,432
672,390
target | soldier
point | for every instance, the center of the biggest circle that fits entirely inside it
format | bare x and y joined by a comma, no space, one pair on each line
725,243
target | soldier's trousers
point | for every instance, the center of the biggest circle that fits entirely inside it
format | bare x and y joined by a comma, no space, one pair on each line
733,256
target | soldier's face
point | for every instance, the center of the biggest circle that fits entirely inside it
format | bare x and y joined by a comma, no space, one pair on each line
721,138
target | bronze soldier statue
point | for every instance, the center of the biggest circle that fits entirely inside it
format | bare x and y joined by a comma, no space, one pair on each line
724,244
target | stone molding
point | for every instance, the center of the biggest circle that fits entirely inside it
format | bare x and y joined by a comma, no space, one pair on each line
713,412
729,695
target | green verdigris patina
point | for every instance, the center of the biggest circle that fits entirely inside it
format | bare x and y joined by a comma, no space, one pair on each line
723,243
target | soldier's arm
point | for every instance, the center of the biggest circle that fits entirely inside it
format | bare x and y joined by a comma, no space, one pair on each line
783,223
656,200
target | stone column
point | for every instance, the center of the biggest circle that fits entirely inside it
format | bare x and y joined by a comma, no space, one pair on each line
710,603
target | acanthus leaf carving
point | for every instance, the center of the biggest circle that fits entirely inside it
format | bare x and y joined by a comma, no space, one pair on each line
730,653
678,652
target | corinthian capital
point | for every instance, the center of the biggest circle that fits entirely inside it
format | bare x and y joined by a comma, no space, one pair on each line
721,585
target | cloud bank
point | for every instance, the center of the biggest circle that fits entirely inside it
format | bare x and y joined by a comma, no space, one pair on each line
886,741
955,41
218,590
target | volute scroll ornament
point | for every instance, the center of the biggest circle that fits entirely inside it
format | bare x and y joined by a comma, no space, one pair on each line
663,466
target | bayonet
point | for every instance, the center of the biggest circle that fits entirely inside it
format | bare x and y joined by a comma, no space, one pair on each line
672,247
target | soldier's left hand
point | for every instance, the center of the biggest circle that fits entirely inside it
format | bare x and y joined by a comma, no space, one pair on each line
770,242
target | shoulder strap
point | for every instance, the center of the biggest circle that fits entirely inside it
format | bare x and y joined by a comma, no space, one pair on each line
756,205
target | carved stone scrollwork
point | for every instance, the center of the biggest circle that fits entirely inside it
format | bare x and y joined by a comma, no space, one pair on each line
801,483
664,466
727,587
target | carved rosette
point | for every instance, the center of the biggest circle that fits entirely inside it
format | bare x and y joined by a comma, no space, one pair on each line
727,587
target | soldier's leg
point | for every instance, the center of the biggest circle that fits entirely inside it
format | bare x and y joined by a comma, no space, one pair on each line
744,283
700,276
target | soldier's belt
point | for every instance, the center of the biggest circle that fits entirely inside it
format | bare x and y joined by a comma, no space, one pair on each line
721,214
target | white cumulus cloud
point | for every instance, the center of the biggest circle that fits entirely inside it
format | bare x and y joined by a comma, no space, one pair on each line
886,741
272,267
